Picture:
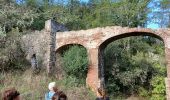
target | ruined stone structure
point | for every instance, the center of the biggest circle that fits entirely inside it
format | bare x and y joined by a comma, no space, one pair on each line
95,40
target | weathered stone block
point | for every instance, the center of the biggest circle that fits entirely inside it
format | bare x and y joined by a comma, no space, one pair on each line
52,26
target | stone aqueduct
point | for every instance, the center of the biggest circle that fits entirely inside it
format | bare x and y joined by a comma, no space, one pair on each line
95,40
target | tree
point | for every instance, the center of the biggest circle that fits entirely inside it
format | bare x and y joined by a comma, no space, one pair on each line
14,15
75,62
122,12
132,68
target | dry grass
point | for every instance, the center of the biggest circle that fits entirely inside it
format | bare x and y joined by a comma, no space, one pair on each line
34,87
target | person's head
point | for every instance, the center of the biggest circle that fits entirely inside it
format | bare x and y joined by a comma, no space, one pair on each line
52,87
11,94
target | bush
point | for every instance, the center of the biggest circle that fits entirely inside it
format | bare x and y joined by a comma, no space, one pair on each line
131,65
11,54
143,92
76,62
159,90
111,86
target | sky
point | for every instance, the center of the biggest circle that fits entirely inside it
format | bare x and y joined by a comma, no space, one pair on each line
153,26
150,24
85,0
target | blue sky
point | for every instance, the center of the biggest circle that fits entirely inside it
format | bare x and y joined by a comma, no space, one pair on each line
153,26
85,0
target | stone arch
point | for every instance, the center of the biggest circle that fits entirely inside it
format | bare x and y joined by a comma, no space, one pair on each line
128,34
106,41
60,48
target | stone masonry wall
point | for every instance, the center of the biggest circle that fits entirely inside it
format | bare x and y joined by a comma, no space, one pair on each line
43,44
52,27
36,43
167,56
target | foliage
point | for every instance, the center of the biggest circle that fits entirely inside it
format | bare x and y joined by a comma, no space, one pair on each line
131,64
76,62
143,92
158,91
13,15
11,53
2,32
78,15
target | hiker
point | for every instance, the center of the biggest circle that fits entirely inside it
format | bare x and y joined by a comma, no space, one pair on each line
11,94
34,64
52,90
59,96
102,95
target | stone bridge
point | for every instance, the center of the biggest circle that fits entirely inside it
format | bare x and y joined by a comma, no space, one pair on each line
95,40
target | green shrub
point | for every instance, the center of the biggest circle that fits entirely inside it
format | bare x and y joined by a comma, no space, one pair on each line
130,65
11,54
143,92
111,86
159,89
76,62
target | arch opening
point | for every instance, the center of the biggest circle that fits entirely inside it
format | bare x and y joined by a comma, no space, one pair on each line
124,35
72,60
131,63
63,48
